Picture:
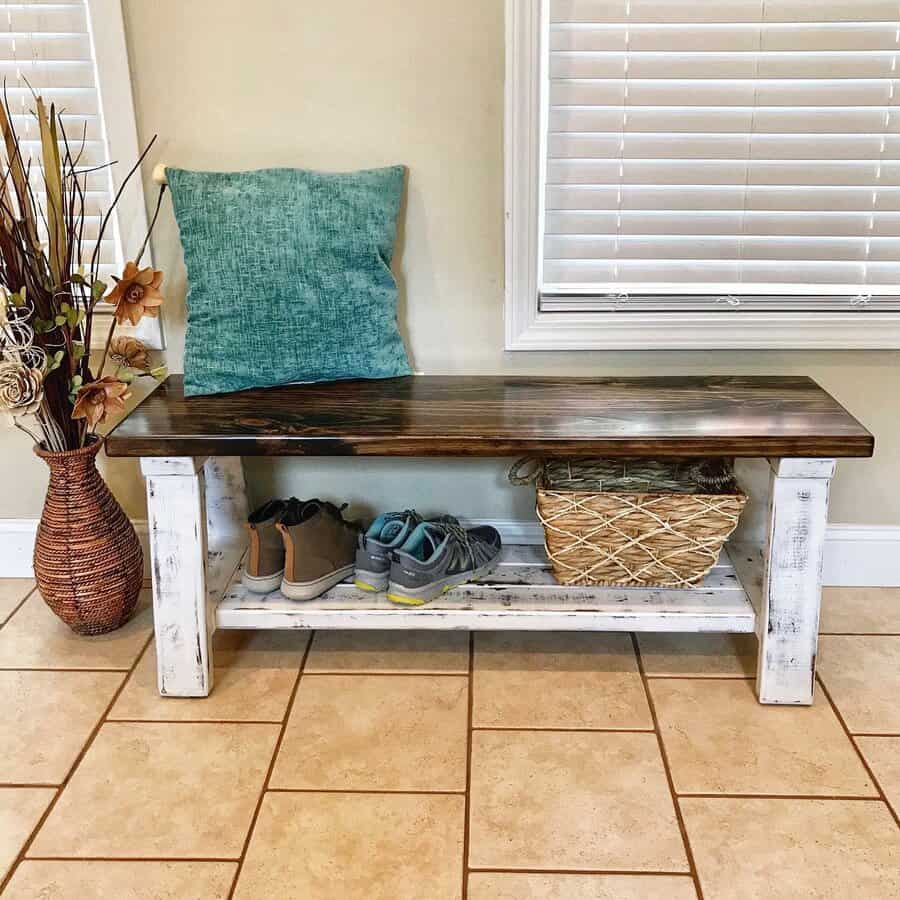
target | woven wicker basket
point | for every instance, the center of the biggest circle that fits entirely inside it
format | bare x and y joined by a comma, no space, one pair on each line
630,522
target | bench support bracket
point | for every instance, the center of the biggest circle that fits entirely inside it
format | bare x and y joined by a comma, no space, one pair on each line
788,621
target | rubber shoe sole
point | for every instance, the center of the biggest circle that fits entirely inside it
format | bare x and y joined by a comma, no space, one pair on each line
373,582
262,584
404,596
309,590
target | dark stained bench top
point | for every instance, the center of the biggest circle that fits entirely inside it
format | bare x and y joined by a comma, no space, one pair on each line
436,415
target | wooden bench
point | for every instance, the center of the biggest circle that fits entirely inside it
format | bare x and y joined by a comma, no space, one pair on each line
190,453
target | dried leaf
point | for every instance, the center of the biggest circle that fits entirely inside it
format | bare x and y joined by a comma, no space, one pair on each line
56,226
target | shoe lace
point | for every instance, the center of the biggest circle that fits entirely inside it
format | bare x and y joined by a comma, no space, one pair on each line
459,534
412,515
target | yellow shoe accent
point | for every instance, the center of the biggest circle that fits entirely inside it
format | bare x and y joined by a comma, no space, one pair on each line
405,601
363,586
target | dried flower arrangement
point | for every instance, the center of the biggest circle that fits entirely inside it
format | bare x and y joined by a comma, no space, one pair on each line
50,291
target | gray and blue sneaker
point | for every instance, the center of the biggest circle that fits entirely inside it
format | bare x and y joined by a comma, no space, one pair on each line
439,555
373,553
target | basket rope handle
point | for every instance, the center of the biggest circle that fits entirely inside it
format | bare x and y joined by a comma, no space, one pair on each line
518,476
713,475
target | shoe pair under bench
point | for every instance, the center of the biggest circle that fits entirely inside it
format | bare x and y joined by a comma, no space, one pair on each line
305,548
417,560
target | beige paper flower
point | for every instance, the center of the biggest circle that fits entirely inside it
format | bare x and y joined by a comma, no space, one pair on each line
21,389
130,352
136,294
100,399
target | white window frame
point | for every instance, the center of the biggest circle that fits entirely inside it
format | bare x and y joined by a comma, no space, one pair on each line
113,76
529,328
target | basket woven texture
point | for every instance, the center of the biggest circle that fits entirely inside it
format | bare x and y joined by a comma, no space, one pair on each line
634,522
88,561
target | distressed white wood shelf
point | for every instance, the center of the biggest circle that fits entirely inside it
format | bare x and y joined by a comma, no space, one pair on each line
519,595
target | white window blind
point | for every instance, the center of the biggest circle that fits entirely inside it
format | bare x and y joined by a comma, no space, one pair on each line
704,154
47,48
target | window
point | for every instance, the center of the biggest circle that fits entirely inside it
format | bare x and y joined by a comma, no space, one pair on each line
74,54
703,173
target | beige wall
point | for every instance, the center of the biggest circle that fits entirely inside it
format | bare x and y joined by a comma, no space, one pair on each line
352,83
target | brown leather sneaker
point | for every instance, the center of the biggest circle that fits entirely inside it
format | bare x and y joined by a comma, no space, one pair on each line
264,566
319,549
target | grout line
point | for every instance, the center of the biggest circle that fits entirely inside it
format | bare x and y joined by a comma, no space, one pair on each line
15,784
275,752
859,752
16,608
373,791
701,677
859,634
876,734
665,761
468,796
167,859
565,730
120,669
193,721
414,674
74,767
528,871
707,795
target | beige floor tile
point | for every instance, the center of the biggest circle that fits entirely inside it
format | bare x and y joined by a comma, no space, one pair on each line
756,849
20,810
376,732
254,675
34,638
699,655
170,790
720,739
88,880
577,800
861,674
45,720
860,610
565,680
376,652
522,886
12,592
355,847
883,756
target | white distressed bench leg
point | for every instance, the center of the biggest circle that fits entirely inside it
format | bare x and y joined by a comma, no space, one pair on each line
182,619
226,503
196,508
788,623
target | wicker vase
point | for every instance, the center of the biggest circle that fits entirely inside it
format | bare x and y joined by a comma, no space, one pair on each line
87,558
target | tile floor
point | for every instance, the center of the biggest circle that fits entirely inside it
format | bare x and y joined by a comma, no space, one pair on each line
427,766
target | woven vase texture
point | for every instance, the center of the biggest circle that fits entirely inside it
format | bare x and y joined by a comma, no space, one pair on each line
88,561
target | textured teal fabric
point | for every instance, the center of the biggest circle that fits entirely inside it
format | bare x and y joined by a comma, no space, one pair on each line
289,275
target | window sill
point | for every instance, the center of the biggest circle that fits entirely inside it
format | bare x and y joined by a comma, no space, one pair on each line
726,330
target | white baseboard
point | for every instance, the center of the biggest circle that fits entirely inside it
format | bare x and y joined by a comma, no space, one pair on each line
862,556
17,546
855,555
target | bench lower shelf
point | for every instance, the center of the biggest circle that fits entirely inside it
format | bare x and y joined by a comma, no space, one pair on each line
520,594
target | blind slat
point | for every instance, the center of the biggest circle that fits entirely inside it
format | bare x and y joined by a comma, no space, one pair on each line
675,146
714,222
795,173
718,197
592,11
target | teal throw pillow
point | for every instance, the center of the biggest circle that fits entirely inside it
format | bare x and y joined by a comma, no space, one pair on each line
289,276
